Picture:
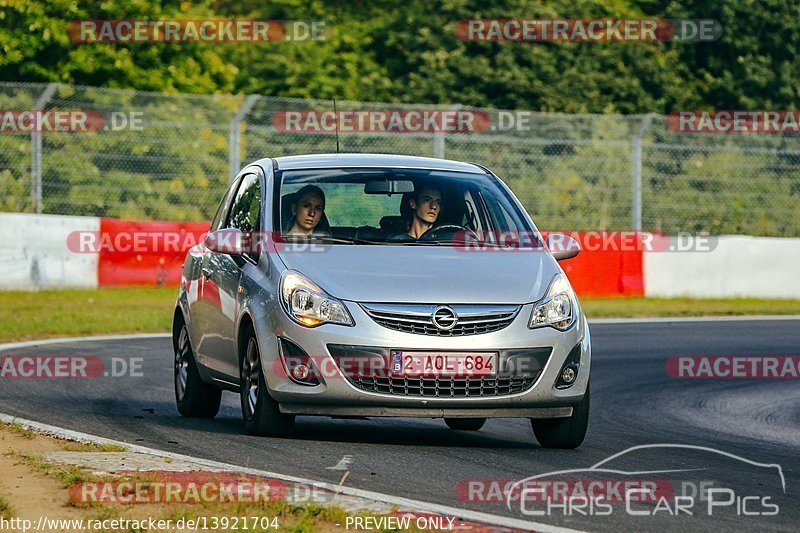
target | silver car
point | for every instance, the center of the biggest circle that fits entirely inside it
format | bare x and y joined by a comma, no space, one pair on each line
356,285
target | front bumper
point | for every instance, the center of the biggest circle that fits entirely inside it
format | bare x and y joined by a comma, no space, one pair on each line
337,396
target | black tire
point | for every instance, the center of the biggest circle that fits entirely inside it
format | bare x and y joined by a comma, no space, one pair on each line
565,433
261,414
465,424
194,397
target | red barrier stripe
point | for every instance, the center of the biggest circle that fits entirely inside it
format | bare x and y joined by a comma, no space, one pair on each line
139,253
144,253
614,270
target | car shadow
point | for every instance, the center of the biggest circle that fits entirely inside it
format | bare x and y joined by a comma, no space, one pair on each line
147,422
496,434
392,431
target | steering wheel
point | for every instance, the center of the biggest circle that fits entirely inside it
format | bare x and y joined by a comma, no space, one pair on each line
433,234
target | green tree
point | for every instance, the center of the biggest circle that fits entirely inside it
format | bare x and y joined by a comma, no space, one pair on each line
36,46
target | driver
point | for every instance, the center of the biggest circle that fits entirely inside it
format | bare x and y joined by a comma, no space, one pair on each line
425,204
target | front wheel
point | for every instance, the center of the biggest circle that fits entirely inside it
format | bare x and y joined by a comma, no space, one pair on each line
261,414
566,432
194,397
465,424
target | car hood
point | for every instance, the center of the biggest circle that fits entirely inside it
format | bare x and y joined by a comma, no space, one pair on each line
425,274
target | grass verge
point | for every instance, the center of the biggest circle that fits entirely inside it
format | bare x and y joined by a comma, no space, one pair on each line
5,508
19,430
278,515
38,315
68,313
677,307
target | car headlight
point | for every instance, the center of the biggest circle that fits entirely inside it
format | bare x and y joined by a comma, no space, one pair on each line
310,306
557,308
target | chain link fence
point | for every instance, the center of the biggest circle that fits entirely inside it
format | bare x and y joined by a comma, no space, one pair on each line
605,172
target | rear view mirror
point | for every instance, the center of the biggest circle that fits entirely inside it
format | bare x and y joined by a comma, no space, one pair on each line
229,241
388,187
562,246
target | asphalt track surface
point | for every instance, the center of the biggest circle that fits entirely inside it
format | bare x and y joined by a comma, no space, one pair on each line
634,402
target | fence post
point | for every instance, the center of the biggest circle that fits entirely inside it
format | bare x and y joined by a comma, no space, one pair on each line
36,149
235,135
636,172
438,137
438,144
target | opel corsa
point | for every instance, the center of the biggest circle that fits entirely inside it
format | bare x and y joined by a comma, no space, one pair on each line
316,293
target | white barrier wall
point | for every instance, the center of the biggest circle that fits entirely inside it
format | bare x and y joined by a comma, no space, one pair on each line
739,266
34,253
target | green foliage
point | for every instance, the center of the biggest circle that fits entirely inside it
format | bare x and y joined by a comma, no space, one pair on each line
408,51
36,46
725,192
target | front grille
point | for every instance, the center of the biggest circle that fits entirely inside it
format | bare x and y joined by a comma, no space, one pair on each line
418,319
444,387
369,368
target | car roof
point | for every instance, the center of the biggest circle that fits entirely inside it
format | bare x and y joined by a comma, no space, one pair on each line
296,162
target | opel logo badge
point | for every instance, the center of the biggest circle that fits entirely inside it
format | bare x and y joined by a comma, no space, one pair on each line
444,318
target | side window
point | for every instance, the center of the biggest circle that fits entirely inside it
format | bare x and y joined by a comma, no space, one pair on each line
501,219
246,207
222,210
470,219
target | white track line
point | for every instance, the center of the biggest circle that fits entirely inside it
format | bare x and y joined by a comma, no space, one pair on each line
63,340
657,320
403,503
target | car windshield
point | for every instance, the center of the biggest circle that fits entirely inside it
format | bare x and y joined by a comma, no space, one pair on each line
398,206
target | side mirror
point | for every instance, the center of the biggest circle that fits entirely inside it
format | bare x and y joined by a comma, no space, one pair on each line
562,246
229,241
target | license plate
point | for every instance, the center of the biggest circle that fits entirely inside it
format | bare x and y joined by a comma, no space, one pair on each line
444,364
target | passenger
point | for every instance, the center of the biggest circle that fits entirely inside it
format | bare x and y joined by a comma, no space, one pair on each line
307,210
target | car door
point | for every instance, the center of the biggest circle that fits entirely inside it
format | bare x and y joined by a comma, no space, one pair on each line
200,300
222,277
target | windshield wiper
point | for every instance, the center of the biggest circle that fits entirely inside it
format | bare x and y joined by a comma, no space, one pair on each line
342,240
473,244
